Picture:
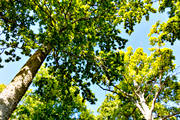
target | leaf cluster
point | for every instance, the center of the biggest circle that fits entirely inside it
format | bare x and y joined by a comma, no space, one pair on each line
51,100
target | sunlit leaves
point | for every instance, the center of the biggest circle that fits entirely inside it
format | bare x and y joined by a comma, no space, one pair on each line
114,107
52,99
83,36
93,21
75,30
138,73
2,86
167,31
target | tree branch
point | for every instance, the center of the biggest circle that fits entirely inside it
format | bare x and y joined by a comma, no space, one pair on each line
127,94
157,93
168,116
131,86
49,14
133,110
111,91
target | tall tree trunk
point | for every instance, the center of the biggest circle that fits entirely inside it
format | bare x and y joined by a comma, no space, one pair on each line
12,94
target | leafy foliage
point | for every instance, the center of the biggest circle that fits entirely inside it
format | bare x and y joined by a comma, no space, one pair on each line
146,81
115,107
170,30
67,24
83,37
75,30
2,86
51,101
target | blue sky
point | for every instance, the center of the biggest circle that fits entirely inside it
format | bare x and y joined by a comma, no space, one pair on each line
138,39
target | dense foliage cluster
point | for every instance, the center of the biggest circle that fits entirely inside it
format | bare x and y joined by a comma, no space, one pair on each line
50,100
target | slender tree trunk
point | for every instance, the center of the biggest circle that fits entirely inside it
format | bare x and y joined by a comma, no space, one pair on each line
12,94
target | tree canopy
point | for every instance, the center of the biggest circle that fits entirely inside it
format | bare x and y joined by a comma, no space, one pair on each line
78,40
69,26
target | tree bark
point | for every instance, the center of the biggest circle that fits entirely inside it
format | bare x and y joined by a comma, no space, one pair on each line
12,94
143,107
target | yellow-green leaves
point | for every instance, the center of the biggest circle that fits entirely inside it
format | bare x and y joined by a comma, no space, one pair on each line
169,30
2,86
132,12
52,99
83,36
138,76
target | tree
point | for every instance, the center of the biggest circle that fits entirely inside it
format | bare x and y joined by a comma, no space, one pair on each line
146,84
53,100
164,89
68,34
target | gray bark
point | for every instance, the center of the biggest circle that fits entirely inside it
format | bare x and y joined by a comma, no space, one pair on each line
12,94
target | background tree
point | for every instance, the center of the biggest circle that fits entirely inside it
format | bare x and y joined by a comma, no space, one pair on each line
68,34
168,86
145,83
